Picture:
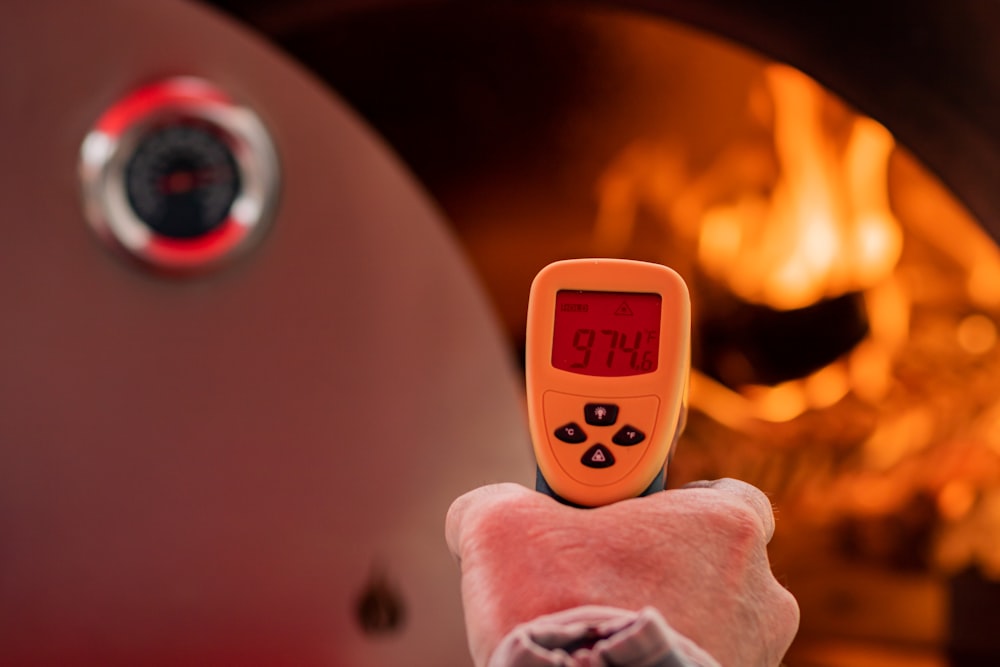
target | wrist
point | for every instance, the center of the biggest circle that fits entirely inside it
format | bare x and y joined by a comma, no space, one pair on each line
612,635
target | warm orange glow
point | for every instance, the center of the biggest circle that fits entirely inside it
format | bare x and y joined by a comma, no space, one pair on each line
867,371
991,429
781,403
977,334
827,386
647,174
869,365
870,368
719,402
899,436
983,283
933,214
826,227
974,538
956,499
878,238
888,310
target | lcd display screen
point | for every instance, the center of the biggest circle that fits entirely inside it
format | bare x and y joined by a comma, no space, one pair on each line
608,334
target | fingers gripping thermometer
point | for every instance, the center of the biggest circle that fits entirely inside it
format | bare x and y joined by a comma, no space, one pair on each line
607,364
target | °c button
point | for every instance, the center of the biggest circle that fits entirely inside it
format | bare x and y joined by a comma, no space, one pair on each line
598,456
571,433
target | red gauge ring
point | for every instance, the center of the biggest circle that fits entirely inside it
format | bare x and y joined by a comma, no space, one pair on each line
178,175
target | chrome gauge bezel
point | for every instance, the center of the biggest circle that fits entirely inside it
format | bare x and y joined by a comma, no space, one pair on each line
110,144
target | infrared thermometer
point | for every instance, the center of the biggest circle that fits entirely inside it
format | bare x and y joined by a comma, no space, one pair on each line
608,359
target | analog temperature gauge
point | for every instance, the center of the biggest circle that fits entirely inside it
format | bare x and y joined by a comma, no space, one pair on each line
178,175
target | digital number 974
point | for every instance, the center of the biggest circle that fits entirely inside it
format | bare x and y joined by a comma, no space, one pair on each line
606,345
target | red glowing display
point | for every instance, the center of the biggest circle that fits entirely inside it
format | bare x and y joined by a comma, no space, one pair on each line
607,334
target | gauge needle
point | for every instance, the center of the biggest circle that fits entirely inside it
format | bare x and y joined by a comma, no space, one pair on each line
180,182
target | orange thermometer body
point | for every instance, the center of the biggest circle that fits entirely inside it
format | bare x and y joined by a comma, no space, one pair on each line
607,363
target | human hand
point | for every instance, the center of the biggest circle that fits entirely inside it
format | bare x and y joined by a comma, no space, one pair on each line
697,554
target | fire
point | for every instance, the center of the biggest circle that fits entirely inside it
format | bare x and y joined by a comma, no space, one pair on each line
787,208
826,228
783,222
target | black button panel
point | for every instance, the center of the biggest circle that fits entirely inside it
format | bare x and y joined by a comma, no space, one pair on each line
571,433
598,456
600,414
628,435
598,439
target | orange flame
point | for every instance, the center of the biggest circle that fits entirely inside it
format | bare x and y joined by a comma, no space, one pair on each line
826,228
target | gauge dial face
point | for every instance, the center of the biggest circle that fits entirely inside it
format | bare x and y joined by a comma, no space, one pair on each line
179,176
182,180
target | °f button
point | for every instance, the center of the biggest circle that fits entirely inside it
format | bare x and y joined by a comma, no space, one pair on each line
628,435
600,414
598,456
